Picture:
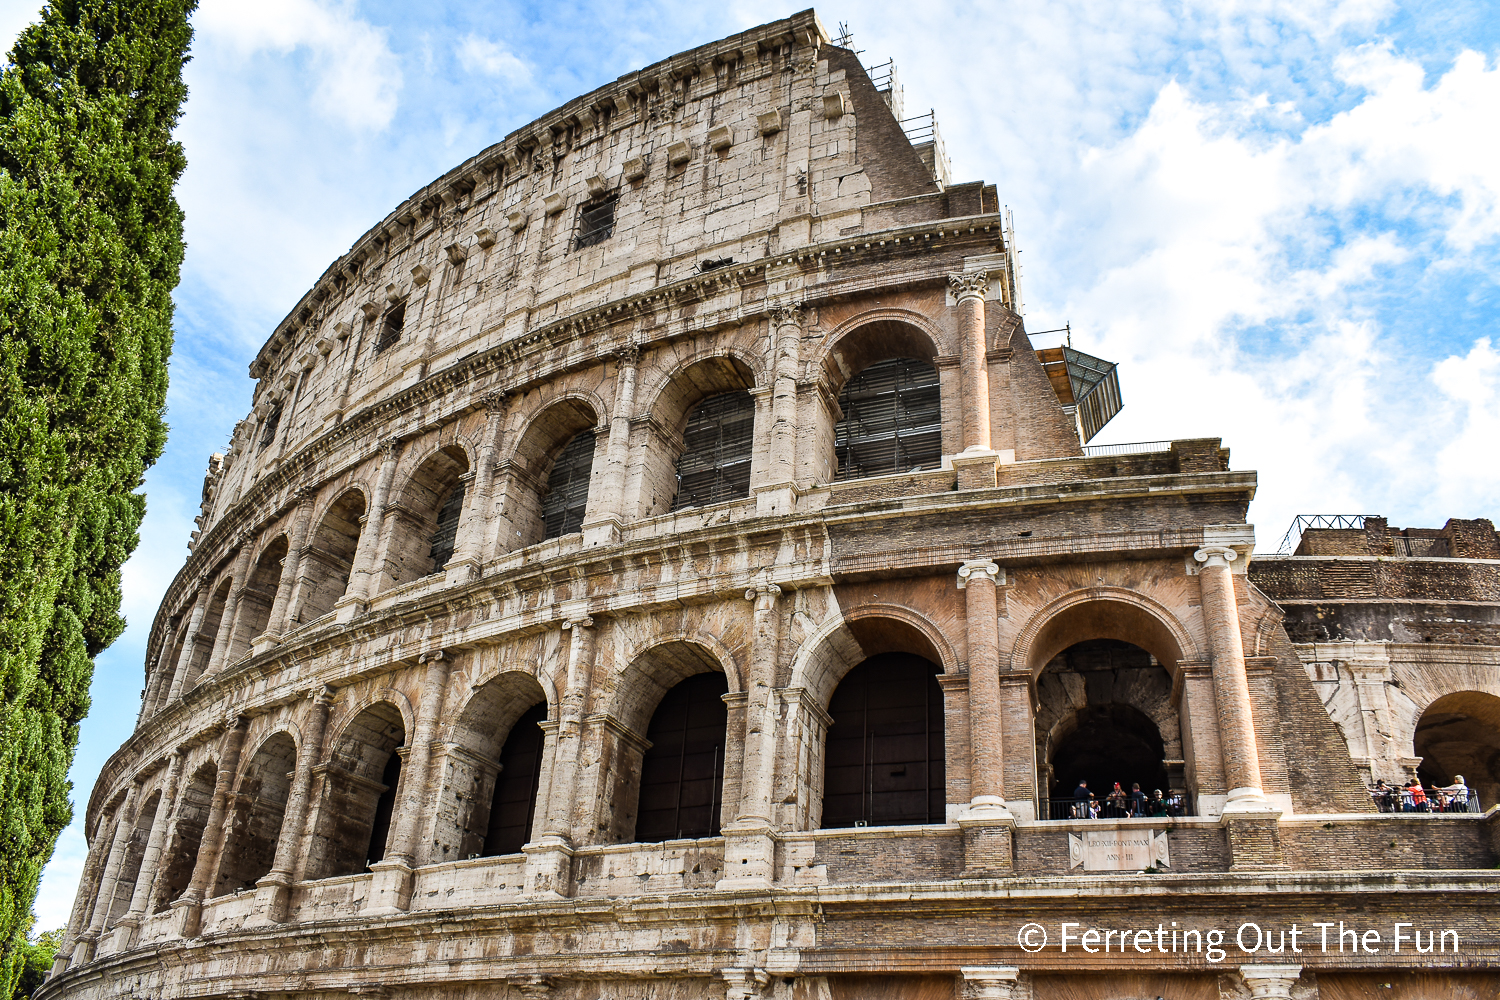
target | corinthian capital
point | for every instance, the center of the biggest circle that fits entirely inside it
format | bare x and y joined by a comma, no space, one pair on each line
787,315
494,402
969,285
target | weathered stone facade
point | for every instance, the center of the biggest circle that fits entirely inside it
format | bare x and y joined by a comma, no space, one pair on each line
657,564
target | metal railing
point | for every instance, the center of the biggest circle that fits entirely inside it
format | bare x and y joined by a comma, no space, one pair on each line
1128,448
1172,807
1435,800
1304,522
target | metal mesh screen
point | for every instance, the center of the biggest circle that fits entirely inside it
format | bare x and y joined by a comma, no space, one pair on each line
595,223
892,420
568,486
391,327
268,432
715,462
447,528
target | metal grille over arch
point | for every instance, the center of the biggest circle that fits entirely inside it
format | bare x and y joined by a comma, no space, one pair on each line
717,444
884,761
567,495
892,420
682,774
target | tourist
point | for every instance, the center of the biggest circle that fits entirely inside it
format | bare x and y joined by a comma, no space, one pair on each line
1116,801
1082,800
1456,795
1158,805
1137,800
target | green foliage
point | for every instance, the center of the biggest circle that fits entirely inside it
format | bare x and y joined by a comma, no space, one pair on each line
36,956
90,249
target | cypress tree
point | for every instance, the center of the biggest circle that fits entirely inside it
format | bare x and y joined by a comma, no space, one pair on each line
90,249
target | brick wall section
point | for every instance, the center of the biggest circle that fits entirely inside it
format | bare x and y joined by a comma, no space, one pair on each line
1321,773
1474,539
1416,842
1040,428
864,858
893,166
1043,850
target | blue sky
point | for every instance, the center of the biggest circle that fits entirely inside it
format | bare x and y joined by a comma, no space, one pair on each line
1282,219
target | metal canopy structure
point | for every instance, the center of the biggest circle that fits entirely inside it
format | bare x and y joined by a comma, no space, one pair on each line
1090,384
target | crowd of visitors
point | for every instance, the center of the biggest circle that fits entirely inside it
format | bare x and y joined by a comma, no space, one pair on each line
1120,804
1413,798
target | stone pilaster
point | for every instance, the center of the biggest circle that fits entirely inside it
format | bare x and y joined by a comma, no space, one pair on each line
993,982
749,846
362,574
215,830
464,566
128,926
1237,740
969,291
607,514
239,576
273,890
390,892
549,860
83,951
161,676
291,571
185,658
977,579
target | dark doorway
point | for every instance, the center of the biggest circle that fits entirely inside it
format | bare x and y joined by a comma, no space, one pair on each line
682,774
884,762
1109,743
514,806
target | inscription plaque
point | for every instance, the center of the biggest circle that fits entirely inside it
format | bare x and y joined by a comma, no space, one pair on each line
1118,850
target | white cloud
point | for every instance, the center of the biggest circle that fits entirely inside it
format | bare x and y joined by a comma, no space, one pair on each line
480,55
358,77
1466,466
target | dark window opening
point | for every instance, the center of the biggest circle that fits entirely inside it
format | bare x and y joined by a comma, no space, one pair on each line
268,432
513,808
568,486
715,462
596,223
391,326
445,537
705,266
884,762
892,420
682,775
380,832
1111,743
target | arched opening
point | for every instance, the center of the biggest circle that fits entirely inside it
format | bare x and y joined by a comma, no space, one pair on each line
135,852
391,326
208,633
181,854
359,789
717,442
691,434
492,776
258,597
892,420
884,761
513,805
1459,734
567,496
1104,715
427,518
682,772
255,824
329,558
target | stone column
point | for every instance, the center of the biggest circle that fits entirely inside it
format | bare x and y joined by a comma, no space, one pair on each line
190,904
607,514
749,844
1231,685
362,572
291,571
786,347
464,565
390,891
104,899
128,926
977,579
195,621
549,861
273,890
1271,982
161,678
83,902
224,641
969,289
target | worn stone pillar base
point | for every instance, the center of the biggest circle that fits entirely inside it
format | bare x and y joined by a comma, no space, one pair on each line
273,897
977,469
989,845
1254,840
549,867
187,916
390,888
122,938
778,498
749,856
264,643
83,951
59,965
346,609
606,531
460,571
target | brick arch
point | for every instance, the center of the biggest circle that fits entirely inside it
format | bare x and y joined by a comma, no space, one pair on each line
1456,733
545,430
1103,613
706,373
352,709
658,666
842,643
872,336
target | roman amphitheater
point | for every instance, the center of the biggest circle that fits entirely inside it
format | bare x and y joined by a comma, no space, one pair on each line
658,564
